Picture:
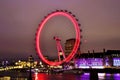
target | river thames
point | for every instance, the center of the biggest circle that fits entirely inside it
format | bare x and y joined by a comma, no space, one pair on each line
45,76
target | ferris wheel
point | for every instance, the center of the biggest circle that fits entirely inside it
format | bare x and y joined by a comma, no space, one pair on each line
61,55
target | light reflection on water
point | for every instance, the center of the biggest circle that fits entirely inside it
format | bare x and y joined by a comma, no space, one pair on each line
45,76
85,76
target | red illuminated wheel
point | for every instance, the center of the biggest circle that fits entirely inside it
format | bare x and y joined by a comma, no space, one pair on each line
72,18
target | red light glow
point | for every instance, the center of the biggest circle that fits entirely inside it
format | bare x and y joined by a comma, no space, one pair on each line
77,42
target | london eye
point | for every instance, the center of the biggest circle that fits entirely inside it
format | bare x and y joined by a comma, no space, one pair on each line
62,58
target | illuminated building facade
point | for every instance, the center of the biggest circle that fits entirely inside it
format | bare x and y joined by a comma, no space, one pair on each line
105,59
112,58
90,60
108,59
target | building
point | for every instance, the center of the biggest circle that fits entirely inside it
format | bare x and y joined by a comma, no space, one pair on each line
69,44
105,59
112,58
90,60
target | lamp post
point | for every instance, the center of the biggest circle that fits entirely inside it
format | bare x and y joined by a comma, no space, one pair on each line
31,60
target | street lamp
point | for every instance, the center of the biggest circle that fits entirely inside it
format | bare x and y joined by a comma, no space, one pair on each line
31,60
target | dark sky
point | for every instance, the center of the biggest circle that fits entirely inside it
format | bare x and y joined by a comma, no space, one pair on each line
19,19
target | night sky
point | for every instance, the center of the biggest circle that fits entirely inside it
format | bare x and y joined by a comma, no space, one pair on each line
19,19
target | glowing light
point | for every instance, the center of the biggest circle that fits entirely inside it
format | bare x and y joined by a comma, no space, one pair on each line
89,63
86,73
116,61
84,67
117,74
36,76
101,76
98,67
77,42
